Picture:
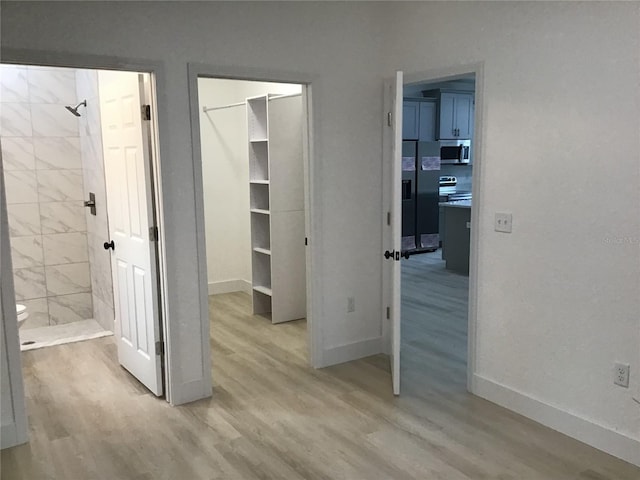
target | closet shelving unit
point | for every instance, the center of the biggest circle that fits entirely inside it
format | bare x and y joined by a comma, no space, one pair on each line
277,207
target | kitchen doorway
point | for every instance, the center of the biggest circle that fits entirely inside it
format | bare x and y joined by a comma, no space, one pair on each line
430,182
437,171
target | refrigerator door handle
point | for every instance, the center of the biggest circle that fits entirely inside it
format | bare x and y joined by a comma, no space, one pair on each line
406,189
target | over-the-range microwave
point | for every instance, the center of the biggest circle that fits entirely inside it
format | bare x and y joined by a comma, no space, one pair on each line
455,151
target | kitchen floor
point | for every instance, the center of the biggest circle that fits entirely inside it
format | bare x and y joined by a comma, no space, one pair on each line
434,325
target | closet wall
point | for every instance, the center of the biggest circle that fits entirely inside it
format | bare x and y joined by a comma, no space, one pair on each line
225,174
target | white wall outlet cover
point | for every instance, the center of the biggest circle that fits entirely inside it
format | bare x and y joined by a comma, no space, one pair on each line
621,374
503,222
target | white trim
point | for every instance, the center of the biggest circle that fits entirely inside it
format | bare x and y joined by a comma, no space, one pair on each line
229,286
312,210
350,351
597,436
450,73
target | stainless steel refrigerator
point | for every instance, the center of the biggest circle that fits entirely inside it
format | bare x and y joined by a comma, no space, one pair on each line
420,196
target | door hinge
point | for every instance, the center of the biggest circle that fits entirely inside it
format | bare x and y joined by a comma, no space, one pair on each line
388,218
146,112
159,348
306,241
153,234
389,119
388,313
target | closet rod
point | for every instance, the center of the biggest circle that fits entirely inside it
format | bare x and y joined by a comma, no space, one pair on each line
206,109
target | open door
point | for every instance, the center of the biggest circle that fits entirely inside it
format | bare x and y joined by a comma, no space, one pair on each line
392,220
131,226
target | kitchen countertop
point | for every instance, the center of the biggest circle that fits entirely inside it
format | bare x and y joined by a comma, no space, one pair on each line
457,204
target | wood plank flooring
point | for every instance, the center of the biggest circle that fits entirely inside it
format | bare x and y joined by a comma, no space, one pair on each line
272,417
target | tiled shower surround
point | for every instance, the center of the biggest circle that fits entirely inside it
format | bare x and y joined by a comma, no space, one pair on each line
42,158
94,181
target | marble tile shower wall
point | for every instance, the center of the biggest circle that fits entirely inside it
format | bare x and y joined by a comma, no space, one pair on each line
42,163
94,181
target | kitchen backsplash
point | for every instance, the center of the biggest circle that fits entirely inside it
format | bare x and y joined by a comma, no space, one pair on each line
462,173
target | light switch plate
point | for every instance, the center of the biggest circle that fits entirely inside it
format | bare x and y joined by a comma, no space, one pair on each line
503,222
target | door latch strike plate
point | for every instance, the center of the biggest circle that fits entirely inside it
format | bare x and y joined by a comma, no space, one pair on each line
146,112
153,234
159,348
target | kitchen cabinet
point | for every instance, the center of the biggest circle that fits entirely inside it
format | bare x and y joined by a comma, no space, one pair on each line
455,114
427,127
410,120
419,119
456,239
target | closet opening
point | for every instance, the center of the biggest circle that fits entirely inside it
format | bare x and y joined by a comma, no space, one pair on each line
253,146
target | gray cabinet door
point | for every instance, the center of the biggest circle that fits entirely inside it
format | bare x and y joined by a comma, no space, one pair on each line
447,116
410,120
464,115
427,129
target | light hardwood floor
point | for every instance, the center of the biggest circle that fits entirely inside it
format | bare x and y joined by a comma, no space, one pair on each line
272,417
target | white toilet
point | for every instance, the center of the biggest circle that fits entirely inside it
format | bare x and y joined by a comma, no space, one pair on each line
21,310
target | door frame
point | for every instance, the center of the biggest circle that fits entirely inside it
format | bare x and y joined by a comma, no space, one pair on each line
451,73
312,229
159,128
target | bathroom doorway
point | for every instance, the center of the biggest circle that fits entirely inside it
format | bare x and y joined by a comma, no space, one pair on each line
81,203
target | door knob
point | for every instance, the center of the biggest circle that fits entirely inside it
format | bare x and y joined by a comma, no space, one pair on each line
109,245
388,254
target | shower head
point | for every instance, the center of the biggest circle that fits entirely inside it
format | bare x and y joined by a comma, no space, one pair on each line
74,110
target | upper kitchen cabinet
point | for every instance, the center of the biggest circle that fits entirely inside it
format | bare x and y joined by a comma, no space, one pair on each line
455,114
419,120
410,119
427,128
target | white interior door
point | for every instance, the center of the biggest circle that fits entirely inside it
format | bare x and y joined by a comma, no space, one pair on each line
130,208
392,220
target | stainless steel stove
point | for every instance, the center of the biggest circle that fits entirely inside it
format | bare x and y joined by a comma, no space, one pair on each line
448,185
448,190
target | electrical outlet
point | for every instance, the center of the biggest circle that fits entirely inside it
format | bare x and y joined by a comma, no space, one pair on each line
621,374
503,222
351,304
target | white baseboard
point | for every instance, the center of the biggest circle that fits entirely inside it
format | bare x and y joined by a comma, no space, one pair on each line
602,438
228,286
351,351
9,436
